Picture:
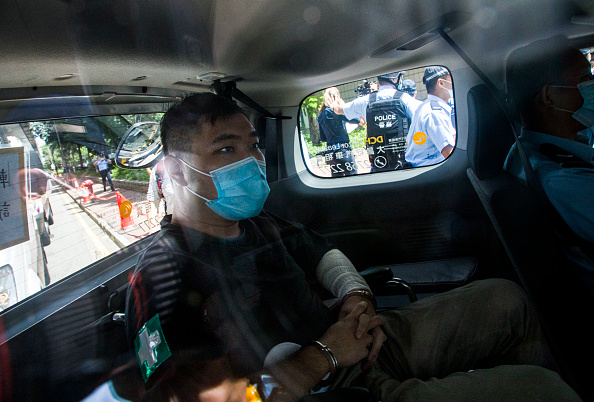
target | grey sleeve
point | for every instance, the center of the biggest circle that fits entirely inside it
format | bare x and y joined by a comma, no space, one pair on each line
338,275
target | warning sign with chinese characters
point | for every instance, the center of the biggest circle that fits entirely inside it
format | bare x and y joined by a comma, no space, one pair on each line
13,207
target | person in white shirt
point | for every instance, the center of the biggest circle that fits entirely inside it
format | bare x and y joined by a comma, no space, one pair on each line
102,164
160,188
432,137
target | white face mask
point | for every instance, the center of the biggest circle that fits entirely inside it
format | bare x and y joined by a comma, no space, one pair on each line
450,91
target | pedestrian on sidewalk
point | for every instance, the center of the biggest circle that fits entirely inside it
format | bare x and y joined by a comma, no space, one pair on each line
103,165
160,188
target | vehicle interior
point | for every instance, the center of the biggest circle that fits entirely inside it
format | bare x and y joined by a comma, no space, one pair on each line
85,72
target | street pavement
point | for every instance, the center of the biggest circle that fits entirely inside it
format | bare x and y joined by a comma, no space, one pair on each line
76,241
102,207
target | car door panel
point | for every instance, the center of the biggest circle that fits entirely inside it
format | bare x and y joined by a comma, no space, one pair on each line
433,216
69,343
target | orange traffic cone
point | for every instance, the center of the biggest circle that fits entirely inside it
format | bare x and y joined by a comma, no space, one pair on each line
125,207
87,189
86,196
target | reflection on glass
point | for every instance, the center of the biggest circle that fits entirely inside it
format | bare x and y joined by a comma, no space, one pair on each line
367,126
55,217
7,287
140,146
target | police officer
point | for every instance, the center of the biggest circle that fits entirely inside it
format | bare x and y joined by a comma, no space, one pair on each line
410,87
432,137
387,113
102,164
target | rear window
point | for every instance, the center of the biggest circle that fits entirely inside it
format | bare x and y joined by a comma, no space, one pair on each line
390,122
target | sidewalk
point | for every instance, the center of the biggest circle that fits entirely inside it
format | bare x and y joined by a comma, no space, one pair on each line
103,209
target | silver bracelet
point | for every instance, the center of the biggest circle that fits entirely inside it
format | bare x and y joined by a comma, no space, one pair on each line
332,362
362,293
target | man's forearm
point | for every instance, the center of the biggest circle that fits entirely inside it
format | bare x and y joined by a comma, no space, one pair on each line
301,372
340,346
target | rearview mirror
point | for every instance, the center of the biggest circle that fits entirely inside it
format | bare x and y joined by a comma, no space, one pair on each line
140,146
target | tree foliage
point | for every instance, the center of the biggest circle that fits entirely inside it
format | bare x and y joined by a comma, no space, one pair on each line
65,139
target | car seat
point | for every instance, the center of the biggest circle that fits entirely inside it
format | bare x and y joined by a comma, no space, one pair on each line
529,238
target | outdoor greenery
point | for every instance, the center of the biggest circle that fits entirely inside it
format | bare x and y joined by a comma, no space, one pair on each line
73,144
130,174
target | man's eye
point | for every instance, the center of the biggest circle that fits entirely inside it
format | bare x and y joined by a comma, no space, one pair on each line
227,149
256,145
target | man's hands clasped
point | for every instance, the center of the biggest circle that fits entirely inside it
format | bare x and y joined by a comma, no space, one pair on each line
357,336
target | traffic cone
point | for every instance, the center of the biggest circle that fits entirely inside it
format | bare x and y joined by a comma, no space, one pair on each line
125,207
88,192
86,196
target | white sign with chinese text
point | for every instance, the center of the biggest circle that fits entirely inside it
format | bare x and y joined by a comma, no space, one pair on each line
14,228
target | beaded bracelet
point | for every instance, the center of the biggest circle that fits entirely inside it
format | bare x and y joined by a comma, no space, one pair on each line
332,362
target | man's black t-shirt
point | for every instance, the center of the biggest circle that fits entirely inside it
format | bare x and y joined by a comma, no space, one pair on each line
237,297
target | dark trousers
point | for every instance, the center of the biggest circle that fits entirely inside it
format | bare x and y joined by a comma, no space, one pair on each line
106,175
482,342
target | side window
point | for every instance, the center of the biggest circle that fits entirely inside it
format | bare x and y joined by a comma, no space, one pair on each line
64,204
394,121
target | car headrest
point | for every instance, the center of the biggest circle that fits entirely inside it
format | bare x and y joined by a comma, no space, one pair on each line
490,134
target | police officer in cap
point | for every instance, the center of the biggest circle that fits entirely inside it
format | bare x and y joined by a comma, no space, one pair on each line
432,136
387,113
410,87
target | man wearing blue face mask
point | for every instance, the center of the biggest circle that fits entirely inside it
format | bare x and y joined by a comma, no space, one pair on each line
555,101
228,280
223,292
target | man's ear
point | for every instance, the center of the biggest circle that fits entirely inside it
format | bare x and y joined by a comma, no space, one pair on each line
174,170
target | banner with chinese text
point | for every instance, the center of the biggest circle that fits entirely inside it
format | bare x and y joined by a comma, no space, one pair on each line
14,228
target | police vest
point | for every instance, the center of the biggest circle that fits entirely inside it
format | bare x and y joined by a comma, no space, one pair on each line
387,128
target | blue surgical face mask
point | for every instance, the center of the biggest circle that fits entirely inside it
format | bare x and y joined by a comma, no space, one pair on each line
585,114
241,186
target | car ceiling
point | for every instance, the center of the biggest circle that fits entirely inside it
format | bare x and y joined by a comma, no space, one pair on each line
278,51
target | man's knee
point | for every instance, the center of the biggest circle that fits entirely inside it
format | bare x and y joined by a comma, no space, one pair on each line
503,296
521,382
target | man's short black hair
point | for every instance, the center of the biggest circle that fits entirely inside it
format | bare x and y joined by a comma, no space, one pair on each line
432,84
531,67
431,75
183,119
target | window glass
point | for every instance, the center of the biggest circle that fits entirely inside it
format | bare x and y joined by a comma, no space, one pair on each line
64,204
588,54
372,125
